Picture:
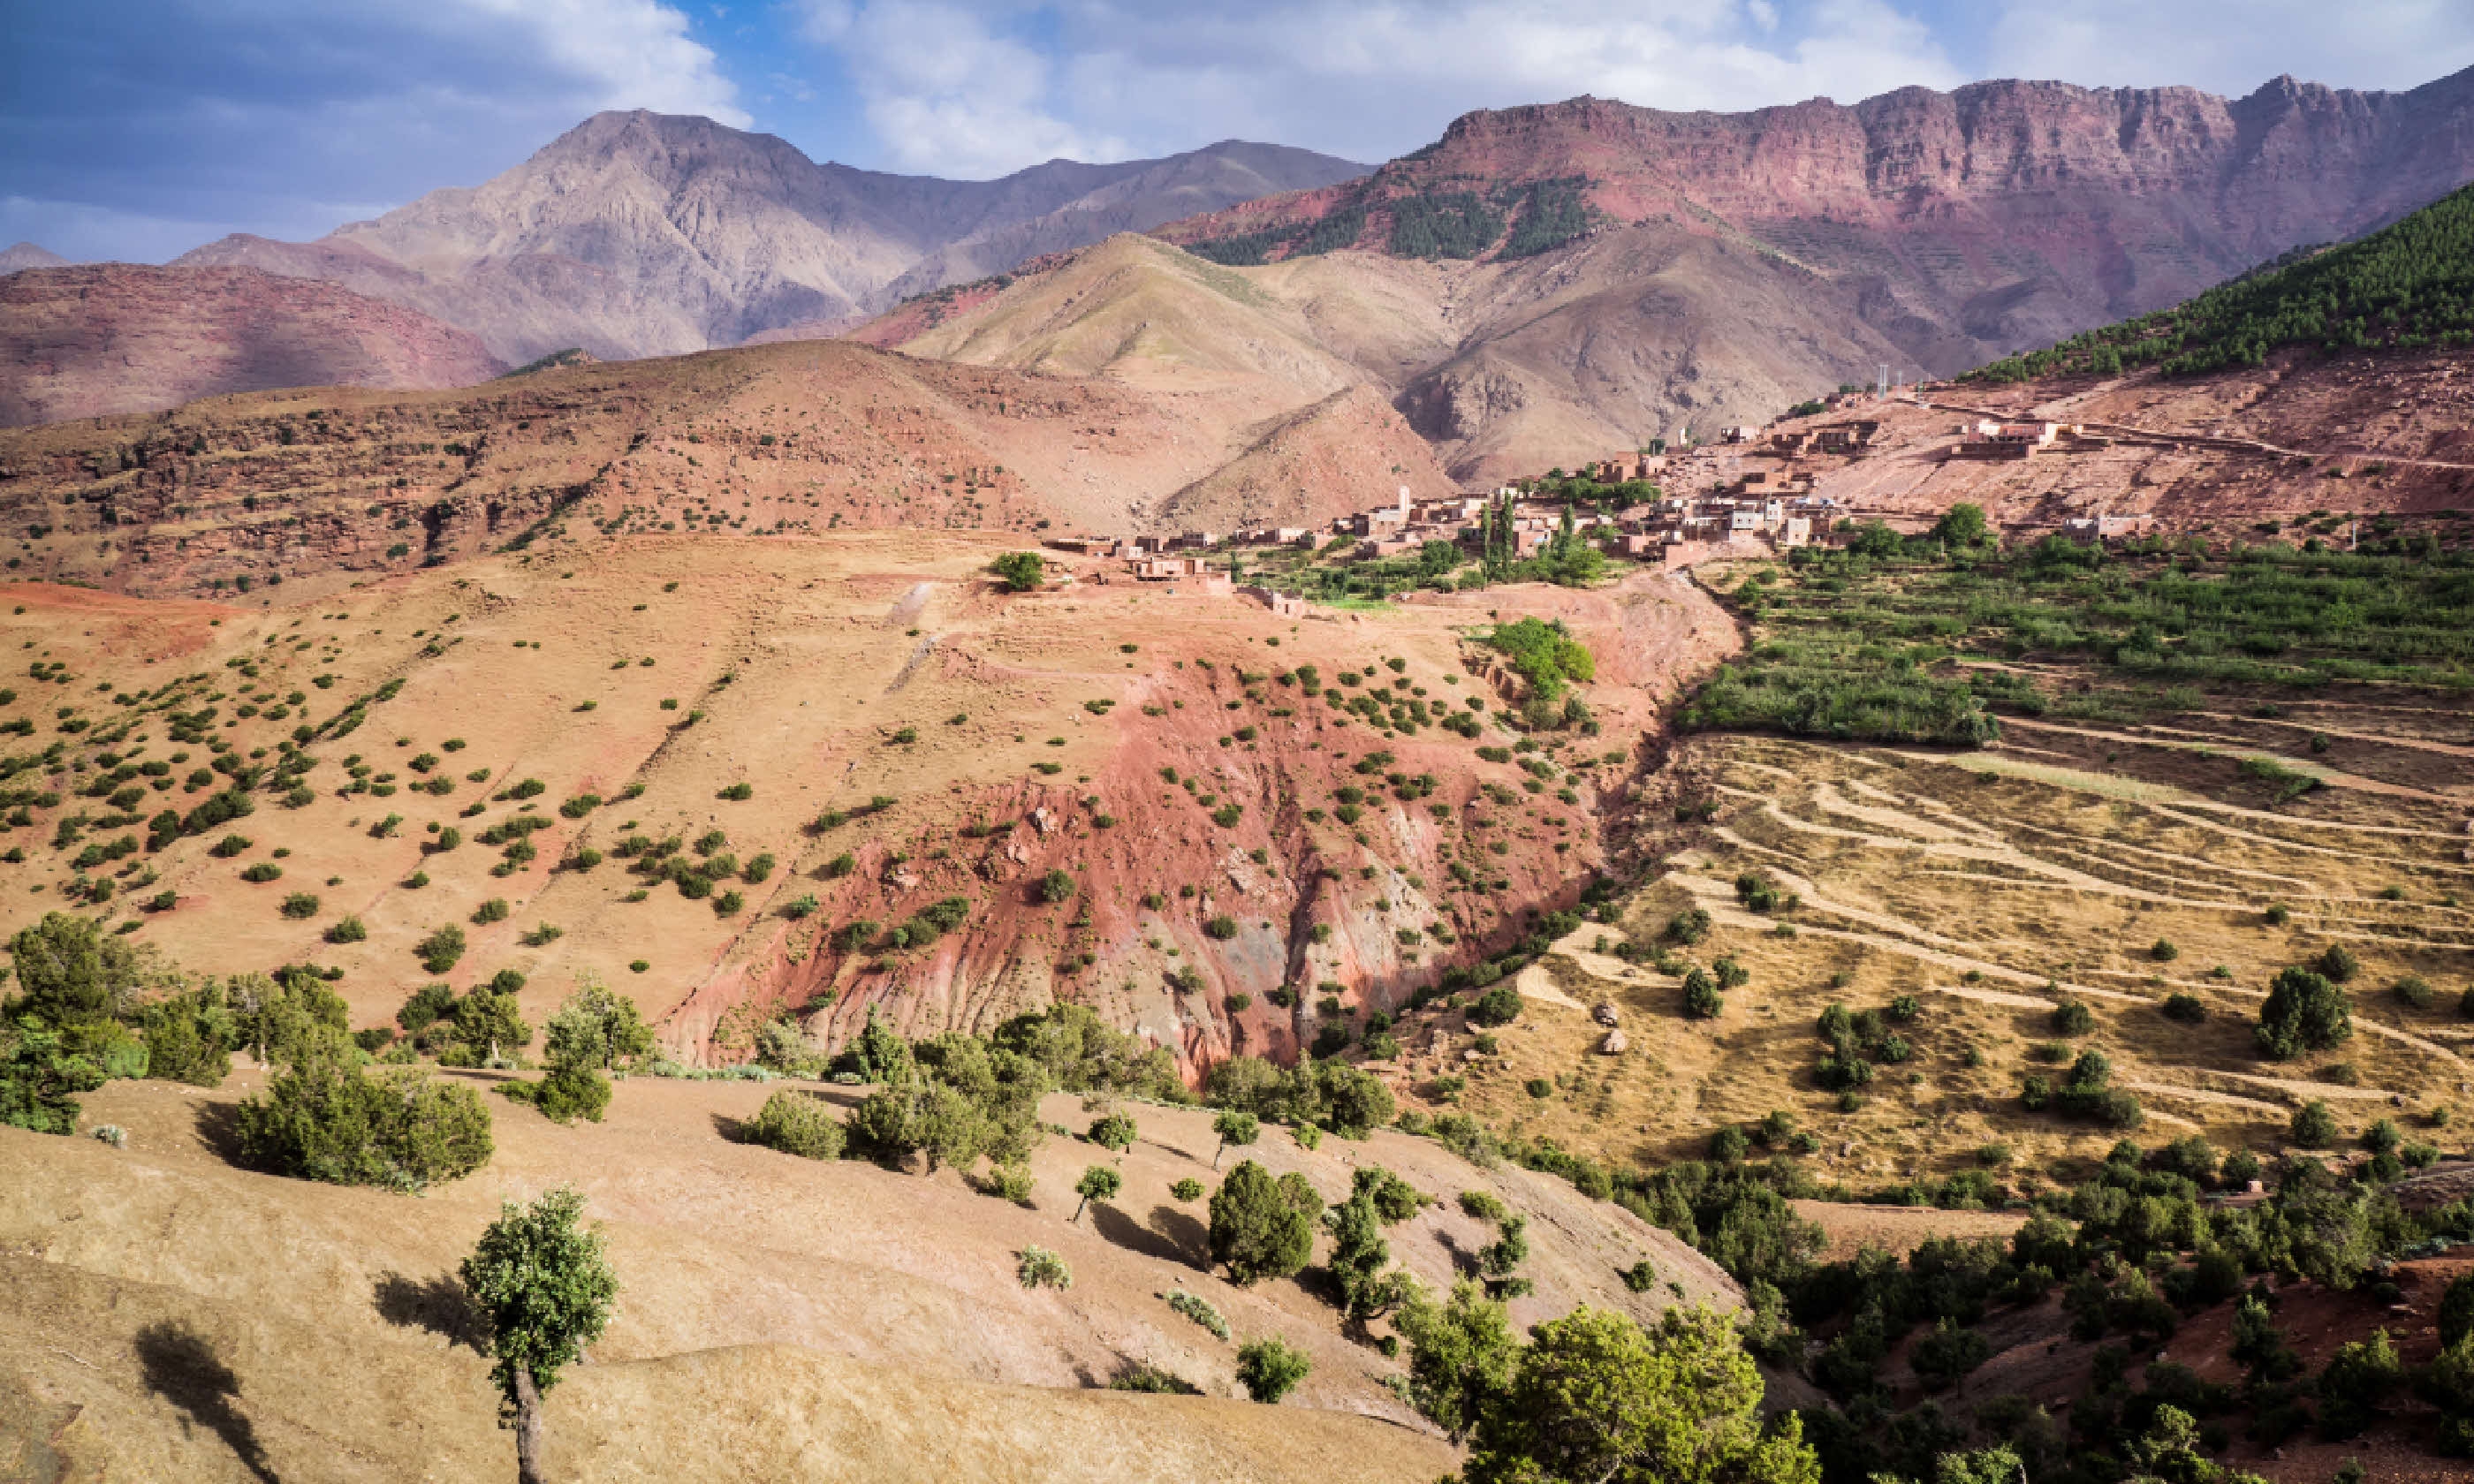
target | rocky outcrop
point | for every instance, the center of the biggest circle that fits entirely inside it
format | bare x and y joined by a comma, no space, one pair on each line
119,337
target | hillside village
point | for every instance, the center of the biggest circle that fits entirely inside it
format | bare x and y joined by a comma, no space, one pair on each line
1748,492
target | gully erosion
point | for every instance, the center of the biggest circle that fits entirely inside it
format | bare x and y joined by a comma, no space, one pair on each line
1244,863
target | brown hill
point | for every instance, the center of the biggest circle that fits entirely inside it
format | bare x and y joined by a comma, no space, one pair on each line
119,337
804,436
638,234
1505,368
2002,212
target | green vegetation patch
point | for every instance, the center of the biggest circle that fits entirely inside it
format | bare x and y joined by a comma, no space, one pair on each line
1902,639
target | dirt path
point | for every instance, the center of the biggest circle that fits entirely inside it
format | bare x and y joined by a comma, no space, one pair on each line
2054,876
2204,1095
2329,777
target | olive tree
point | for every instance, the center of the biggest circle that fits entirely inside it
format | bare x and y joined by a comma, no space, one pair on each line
1022,571
546,1289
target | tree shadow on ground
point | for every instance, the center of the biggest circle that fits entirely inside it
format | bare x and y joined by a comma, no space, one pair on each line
1191,1238
1115,1226
181,1367
219,1130
732,1129
437,1304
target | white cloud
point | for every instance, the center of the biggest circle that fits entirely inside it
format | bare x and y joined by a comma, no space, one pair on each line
975,86
2232,46
946,89
614,54
956,87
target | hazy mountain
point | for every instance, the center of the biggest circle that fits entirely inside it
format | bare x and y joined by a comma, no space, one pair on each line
25,254
642,234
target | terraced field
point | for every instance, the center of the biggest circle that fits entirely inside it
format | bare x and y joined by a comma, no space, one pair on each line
2102,867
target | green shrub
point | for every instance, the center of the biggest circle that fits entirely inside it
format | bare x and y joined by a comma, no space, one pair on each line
795,1123
439,951
1498,1006
1037,1267
262,872
1269,1369
325,1118
495,910
346,929
1221,927
568,1093
301,904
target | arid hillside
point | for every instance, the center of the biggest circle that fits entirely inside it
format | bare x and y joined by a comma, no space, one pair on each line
849,728
171,1316
797,438
118,337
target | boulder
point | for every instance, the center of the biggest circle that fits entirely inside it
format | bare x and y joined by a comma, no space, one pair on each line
1604,1014
1614,1044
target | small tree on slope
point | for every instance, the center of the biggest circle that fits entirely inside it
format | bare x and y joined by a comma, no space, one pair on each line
547,1290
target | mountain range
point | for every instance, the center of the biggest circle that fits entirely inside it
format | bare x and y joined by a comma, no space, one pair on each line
638,234
1538,283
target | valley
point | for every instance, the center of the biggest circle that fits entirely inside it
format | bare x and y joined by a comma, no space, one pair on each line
1551,812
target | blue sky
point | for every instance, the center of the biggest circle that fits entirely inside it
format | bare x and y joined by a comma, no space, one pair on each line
136,129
